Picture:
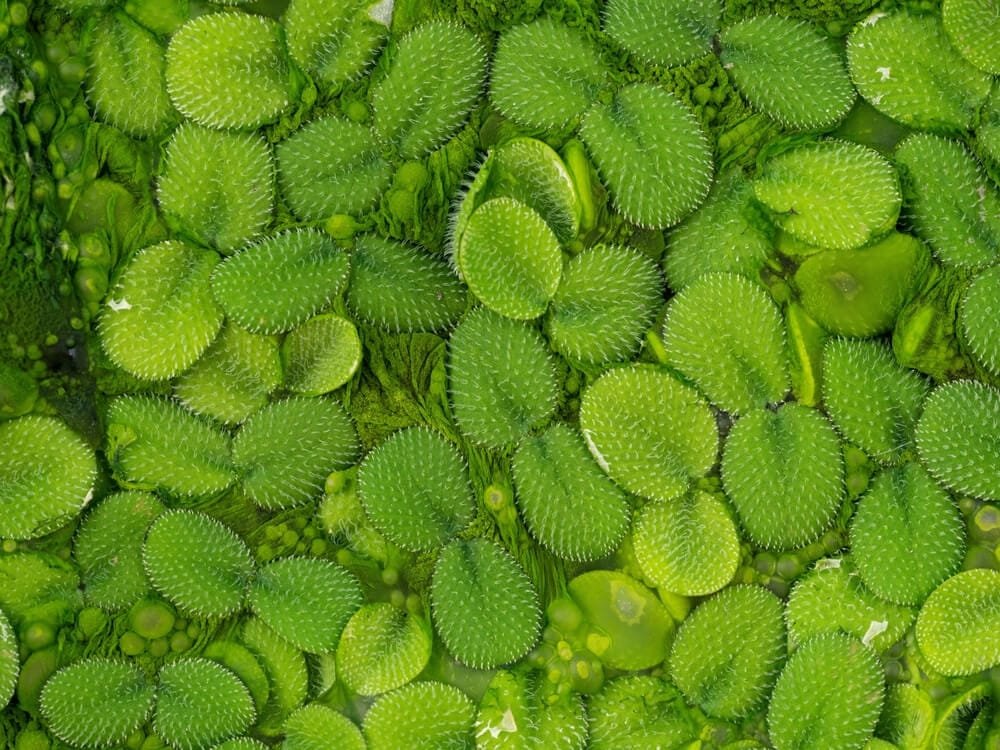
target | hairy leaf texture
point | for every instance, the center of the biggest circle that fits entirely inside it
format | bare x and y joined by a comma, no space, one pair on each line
382,648
516,713
321,355
10,663
421,716
957,625
316,727
639,711
663,32
973,27
979,319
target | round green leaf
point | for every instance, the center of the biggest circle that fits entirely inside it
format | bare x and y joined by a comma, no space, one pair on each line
663,32
957,626
321,355
420,716
382,648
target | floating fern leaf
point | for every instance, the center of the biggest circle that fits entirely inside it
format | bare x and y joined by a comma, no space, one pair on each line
127,81
96,703
796,187
640,711
233,378
787,70
726,334
516,713
979,319
688,546
382,648
831,598
200,703
108,548
10,663
908,718
47,476
415,489
274,285
957,437
307,601
907,535
334,43
229,70
242,662
651,152
285,451
331,166
957,626
545,75
235,175
498,399
828,696
953,204
285,666
567,503
727,652
510,259
727,233
663,32
241,743
316,727
906,68
401,288
973,26
606,300
648,432
197,563
784,472
321,355
155,443
421,716
435,74
485,607
873,401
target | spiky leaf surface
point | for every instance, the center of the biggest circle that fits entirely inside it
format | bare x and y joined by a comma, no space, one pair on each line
499,398
952,202
281,281
37,583
873,401
198,563
229,70
957,437
567,503
235,175
510,259
10,663
331,166
725,234
649,432
973,27
864,203
284,664
321,355
333,43
241,743
435,75
979,319
725,334
639,711
415,488
284,452
635,626
652,154
127,79
545,75
606,300
828,696
908,717
316,727
47,476
787,70
784,472
515,714
382,648
861,292
307,601
160,316
108,548
421,716
199,703
234,376
96,703
957,626
485,607
531,172
156,443
906,68
727,653
663,32
244,664
402,288
832,598
689,545
907,535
